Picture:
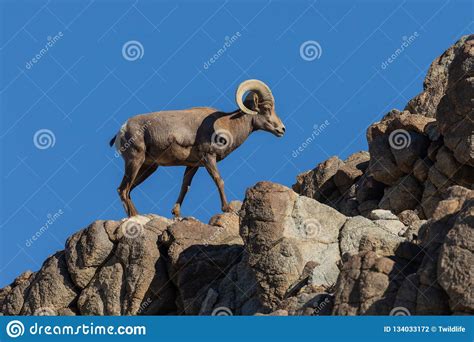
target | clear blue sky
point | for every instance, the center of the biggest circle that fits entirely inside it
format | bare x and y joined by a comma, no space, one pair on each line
82,89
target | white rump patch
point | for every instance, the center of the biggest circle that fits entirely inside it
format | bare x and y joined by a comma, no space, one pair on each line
118,138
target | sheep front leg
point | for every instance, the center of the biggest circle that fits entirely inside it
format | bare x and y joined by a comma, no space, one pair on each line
211,166
187,179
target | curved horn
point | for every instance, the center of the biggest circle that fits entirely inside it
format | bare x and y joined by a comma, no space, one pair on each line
260,88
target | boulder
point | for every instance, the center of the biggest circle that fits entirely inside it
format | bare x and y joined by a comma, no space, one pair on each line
51,289
455,113
405,194
283,232
368,285
318,183
395,144
358,228
86,250
199,256
133,280
435,83
455,267
13,296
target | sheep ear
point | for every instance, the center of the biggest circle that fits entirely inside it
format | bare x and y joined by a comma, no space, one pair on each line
255,102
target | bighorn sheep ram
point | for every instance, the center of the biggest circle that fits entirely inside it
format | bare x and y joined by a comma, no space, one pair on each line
195,137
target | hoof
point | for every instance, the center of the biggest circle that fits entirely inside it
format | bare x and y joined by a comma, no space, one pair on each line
176,211
227,209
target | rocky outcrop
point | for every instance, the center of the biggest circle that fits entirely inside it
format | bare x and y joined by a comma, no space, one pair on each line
436,82
388,231
414,155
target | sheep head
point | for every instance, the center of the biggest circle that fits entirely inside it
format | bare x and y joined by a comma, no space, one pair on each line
259,102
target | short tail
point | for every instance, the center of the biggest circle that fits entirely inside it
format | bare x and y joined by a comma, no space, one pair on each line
111,143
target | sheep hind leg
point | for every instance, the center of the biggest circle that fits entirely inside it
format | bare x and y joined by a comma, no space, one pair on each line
132,169
145,172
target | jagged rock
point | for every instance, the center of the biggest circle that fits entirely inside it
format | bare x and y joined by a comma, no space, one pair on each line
51,289
405,194
368,285
395,143
340,184
455,267
393,226
408,217
435,84
430,198
282,232
133,280
455,114
369,189
421,168
86,250
381,214
199,256
408,293
238,291
353,168
432,298
318,183
413,223
308,304
357,228
229,221
13,296
457,173
366,207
